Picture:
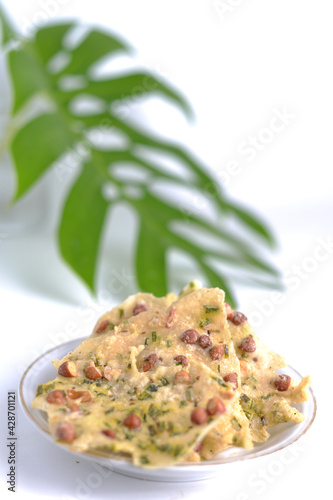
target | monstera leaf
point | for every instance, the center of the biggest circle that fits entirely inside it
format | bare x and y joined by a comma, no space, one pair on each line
58,73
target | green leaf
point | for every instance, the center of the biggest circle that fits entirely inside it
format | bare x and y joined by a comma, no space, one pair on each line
7,30
36,146
49,40
131,86
41,140
82,222
27,76
95,46
151,261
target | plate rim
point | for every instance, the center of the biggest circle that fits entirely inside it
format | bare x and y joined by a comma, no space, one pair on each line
178,467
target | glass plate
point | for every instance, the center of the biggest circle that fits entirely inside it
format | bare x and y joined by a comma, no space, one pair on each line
282,435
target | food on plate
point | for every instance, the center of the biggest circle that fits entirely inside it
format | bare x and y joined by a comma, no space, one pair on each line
167,380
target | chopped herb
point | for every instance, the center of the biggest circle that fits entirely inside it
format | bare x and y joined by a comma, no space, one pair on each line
164,381
98,362
107,424
226,350
144,459
165,447
153,411
87,381
101,394
144,395
170,426
152,430
182,403
210,309
263,420
125,322
205,322
177,450
189,394
161,426
220,381
153,336
132,391
153,388
236,425
129,365
266,397
142,446
121,313
169,343
109,410
219,368
146,341
245,398
39,390
128,436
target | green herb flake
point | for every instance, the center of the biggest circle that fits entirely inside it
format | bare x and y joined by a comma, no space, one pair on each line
205,322
153,336
146,341
109,410
210,309
245,398
153,388
144,459
164,381
40,390
220,381
151,430
177,450
189,394
169,343
266,397
182,403
144,395
236,425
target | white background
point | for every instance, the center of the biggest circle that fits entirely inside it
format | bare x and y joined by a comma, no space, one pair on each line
238,63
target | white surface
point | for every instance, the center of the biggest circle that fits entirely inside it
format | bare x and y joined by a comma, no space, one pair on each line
263,56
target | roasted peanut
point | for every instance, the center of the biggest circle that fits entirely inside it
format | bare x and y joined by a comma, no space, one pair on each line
215,406
182,377
56,397
149,362
84,395
68,369
65,431
181,360
139,308
189,336
205,341
171,317
102,326
237,318
132,421
92,372
217,351
232,377
110,433
199,415
111,373
248,344
282,382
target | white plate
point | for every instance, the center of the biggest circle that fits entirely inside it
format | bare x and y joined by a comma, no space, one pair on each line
282,435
